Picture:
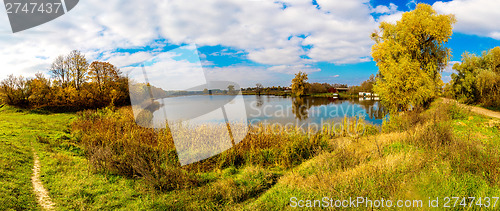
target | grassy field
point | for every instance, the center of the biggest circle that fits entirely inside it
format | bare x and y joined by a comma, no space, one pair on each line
18,132
87,164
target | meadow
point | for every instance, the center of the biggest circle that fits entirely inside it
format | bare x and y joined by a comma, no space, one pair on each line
103,160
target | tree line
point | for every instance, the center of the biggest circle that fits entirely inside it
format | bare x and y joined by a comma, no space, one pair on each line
74,84
477,80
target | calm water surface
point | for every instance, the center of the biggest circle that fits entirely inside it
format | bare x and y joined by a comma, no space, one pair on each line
271,109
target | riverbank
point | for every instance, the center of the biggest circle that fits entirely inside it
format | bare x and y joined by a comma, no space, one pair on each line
341,95
443,151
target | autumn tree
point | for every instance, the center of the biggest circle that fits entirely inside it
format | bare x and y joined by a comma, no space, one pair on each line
103,74
16,90
60,70
77,66
410,56
231,89
258,88
317,88
41,92
477,78
299,84
367,86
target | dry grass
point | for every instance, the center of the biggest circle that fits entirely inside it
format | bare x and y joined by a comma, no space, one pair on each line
418,152
115,144
422,157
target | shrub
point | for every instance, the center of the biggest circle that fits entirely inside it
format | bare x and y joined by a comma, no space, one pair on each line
115,144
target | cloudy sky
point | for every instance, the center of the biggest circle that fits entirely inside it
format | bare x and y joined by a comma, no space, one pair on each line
246,41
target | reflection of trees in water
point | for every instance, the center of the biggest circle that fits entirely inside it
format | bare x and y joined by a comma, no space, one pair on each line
378,112
259,101
145,116
301,105
373,108
300,108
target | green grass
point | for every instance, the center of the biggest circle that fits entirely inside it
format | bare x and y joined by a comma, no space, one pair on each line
18,131
443,151
324,95
413,165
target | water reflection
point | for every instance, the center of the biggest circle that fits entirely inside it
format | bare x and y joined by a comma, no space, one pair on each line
299,110
272,109
259,101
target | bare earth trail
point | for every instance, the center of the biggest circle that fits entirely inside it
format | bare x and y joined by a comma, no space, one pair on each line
42,194
475,109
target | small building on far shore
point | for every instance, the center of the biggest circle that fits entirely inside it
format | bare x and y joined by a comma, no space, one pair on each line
365,94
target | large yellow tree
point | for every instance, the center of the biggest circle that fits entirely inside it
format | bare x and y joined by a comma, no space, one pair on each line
299,84
410,56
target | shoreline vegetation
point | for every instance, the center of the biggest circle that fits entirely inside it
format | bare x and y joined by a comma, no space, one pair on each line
341,95
97,158
103,160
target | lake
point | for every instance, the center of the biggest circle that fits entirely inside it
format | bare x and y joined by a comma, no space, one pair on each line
305,110
267,109
205,125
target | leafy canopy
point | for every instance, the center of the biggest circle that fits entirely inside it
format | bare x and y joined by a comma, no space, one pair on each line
299,84
410,56
477,80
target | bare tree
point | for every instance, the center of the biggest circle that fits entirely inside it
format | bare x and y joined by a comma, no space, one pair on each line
78,66
60,70
258,88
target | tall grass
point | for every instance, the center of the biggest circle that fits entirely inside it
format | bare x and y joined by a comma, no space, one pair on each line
115,144
421,156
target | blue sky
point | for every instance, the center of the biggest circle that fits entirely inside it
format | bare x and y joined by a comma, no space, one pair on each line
247,41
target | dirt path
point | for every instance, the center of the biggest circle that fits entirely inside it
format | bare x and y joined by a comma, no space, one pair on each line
41,193
478,110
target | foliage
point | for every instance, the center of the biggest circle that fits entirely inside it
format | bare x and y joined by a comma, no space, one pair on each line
74,85
299,84
366,86
15,90
258,88
477,80
410,55
446,152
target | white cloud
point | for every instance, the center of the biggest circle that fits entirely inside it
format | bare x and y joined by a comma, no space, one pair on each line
275,56
248,76
477,17
124,59
391,18
411,4
382,9
170,70
449,67
339,32
292,69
